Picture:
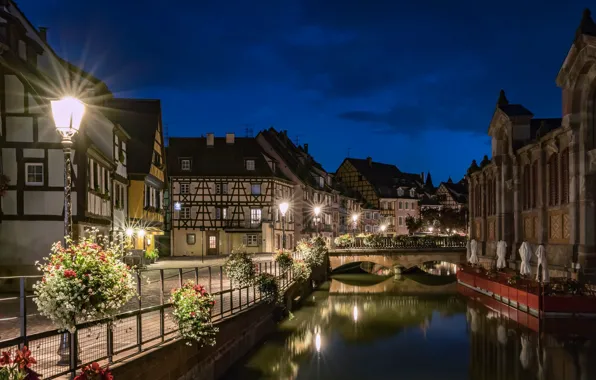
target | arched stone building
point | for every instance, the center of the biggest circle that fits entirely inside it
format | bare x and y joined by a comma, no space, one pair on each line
540,185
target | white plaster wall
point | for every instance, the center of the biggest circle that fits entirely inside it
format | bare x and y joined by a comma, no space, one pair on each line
46,131
15,94
9,203
9,164
34,153
45,202
24,242
56,167
19,128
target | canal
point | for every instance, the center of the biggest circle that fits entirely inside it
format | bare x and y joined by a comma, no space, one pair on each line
407,327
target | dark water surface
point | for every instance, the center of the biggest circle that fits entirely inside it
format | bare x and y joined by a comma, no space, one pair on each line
403,328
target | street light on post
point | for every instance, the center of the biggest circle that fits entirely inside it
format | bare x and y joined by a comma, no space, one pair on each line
283,208
317,211
355,222
68,114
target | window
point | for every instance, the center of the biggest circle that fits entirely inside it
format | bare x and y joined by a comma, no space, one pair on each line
367,215
191,239
34,173
185,213
255,189
376,215
184,188
251,240
412,207
255,216
157,159
218,188
565,176
224,188
407,205
185,164
221,213
212,242
321,182
96,176
399,205
400,221
250,164
400,192
412,193
534,184
553,181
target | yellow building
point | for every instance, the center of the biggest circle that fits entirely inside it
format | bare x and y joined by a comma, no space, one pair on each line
141,118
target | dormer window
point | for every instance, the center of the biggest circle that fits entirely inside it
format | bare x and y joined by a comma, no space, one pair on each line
321,182
412,193
249,164
185,164
400,192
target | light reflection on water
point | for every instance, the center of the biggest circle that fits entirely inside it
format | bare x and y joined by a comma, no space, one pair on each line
392,336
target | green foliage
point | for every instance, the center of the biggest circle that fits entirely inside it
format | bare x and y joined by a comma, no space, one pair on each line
301,271
284,259
152,254
344,240
239,267
192,312
313,251
414,224
268,287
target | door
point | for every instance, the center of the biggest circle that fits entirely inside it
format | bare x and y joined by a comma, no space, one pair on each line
212,243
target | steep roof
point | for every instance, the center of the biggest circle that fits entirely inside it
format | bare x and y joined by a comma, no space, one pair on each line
220,159
386,178
459,191
140,118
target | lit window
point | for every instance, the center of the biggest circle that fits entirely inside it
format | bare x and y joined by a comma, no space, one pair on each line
191,239
185,213
185,164
212,242
250,164
184,188
255,216
34,174
255,189
224,188
251,240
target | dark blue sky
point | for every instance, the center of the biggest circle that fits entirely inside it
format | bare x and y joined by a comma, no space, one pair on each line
413,83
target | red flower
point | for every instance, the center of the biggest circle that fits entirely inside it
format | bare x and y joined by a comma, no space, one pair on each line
69,273
5,358
24,359
193,314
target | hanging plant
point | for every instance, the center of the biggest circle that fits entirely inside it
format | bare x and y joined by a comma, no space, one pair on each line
312,251
94,372
4,182
284,259
268,287
192,312
17,367
344,240
83,282
301,271
239,267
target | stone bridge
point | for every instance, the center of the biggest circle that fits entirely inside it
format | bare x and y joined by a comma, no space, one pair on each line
396,257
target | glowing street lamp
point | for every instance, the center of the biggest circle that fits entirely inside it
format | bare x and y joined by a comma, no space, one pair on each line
317,211
383,228
129,232
283,208
355,222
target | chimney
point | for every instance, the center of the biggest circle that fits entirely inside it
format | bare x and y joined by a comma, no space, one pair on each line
369,160
43,33
229,138
210,139
306,148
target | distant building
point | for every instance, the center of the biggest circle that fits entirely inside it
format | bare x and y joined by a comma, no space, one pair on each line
225,192
453,195
539,185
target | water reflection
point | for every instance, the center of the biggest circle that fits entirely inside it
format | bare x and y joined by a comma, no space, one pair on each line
439,268
387,336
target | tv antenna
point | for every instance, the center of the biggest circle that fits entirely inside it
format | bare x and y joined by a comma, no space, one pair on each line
248,130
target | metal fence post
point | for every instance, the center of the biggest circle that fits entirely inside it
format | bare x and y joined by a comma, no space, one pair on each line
139,316
209,279
231,297
74,358
162,327
254,286
180,277
196,275
23,311
221,290
110,342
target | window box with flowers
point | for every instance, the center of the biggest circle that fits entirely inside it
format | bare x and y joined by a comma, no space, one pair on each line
192,313
83,282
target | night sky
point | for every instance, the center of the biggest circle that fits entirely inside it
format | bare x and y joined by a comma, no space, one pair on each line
410,84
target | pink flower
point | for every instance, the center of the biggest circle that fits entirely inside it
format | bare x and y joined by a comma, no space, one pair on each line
69,273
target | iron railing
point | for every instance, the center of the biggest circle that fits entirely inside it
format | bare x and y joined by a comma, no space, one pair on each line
382,242
144,322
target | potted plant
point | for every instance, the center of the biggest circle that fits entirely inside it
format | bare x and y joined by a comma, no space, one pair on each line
17,367
268,287
284,259
301,271
94,371
192,313
83,282
152,254
344,240
239,267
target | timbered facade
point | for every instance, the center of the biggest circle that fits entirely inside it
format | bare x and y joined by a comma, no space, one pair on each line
453,195
32,158
539,185
225,193
142,140
120,183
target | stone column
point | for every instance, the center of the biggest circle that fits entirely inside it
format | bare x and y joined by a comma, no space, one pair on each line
471,206
506,196
499,191
483,199
517,218
573,184
542,201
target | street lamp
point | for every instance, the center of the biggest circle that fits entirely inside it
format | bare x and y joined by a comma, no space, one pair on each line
383,228
354,221
317,211
283,208
67,113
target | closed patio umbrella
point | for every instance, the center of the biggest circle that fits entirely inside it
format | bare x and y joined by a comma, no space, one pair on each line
501,252
524,356
502,334
473,252
525,252
542,264
468,251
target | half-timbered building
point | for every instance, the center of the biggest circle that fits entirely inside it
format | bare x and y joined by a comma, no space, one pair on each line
141,120
120,183
31,75
453,194
313,186
225,193
393,193
540,186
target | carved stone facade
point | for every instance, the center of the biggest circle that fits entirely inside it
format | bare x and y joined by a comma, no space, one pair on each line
540,184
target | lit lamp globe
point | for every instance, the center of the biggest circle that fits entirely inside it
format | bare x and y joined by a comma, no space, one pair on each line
68,113
283,208
354,218
383,228
317,211
129,232
141,232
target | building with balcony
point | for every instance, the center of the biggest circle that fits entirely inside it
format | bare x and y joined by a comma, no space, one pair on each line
32,209
146,169
539,184
225,192
453,194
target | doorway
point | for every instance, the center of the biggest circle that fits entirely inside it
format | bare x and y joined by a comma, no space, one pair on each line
212,243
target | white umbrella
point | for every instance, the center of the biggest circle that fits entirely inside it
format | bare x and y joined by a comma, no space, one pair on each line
542,363
502,334
501,252
524,356
525,252
468,251
473,254
541,255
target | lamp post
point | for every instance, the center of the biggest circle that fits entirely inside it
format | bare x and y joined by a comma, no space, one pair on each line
317,211
67,113
283,208
355,221
383,228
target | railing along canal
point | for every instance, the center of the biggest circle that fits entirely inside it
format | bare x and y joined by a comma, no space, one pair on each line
383,242
145,322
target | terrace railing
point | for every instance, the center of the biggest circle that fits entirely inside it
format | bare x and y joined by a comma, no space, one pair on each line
143,323
382,242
